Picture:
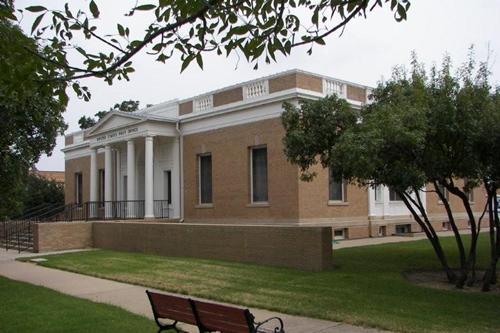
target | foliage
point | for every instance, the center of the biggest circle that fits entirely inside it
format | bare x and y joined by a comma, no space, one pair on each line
255,29
30,111
367,286
125,106
39,191
419,130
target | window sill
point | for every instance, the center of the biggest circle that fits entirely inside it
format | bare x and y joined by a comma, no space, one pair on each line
258,205
337,203
204,206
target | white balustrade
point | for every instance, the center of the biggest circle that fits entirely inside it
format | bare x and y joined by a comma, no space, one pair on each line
204,103
331,87
256,89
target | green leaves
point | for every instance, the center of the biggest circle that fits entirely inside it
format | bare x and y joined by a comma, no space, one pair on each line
145,7
36,9
259,31
93,9
36,23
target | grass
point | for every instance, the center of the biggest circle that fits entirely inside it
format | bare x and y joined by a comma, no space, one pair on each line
366,287
28,308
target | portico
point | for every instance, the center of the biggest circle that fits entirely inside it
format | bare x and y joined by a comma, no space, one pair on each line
141,167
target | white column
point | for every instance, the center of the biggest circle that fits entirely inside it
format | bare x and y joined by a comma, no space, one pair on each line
93,183
148,179
118,167
131,177
108,180
175,208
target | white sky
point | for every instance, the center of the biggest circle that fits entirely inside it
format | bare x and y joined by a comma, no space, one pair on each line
365,53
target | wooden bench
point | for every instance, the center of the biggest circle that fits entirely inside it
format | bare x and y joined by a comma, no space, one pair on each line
208,317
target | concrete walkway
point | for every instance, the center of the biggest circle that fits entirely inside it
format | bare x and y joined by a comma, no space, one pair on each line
390,239
133,298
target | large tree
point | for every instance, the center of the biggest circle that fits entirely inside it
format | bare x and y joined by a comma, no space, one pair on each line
435,129
31,106
255,29
125,106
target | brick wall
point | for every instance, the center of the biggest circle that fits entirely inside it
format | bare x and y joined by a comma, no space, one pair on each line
305,248
296,80
56,236
79,165
229,148
228,96
313,199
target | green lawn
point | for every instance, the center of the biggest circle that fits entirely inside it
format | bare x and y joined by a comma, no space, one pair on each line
28,308
365,288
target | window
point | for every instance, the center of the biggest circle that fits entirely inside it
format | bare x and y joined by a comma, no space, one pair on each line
102,185
468,191
378,193
403,229
78,188
205,178
336,188
340,234
167,186
443,190
382,231
125,188
393,195
259,174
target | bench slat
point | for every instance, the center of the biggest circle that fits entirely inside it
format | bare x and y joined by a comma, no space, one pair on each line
223,318
172,307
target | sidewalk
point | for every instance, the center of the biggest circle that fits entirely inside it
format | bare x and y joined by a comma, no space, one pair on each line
133,298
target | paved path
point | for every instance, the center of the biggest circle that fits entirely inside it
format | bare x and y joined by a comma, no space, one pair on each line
391,239
133,298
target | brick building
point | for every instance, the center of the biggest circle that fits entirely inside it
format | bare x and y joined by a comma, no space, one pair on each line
218,158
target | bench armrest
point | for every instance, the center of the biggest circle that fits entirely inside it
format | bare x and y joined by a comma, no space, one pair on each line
278,326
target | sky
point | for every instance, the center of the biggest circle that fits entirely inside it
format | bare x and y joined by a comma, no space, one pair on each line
365,53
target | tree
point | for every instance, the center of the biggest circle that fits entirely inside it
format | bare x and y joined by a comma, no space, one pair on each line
41,191
125,106
30,111
420,130
255,29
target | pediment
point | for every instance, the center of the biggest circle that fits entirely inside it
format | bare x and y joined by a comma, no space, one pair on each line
114,120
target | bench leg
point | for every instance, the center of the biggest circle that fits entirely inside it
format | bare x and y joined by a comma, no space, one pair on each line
168,327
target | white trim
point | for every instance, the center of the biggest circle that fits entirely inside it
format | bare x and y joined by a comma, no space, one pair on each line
252,202
198,157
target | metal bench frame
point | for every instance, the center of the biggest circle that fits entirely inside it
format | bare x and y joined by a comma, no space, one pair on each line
253,326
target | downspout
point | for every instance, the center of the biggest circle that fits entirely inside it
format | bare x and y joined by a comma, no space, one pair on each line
181,170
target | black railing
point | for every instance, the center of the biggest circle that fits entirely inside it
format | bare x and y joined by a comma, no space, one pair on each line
106,210
115,210
17,235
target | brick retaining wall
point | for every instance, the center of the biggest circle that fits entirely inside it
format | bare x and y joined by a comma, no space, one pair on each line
305,248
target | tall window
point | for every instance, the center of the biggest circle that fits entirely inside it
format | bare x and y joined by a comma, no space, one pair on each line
205,178
393,195
336,188
78,188
125,188
443,190
259,174
468,191
378,193
101,187
167,185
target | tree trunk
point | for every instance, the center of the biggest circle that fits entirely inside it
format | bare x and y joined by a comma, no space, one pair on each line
430,233
460,245
471,261
490,276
